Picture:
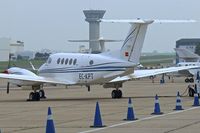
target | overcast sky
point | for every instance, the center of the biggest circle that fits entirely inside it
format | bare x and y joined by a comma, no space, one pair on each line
50,23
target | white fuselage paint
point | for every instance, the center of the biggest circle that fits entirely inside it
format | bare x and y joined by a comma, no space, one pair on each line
190,71
83,69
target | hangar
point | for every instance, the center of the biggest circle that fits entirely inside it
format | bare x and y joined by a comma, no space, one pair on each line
187,43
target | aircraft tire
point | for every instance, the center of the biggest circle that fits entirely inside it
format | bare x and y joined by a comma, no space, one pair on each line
114,94
37,96
42,94
191,80
119,94
31,95
187,80
34,96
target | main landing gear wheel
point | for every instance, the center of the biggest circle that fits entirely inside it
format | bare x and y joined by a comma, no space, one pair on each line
116,94
34,96
42,94
189,80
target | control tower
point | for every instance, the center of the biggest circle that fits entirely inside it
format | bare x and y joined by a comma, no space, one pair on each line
92,17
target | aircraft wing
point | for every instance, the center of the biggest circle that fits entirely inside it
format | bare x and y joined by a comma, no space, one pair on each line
33,80
152,72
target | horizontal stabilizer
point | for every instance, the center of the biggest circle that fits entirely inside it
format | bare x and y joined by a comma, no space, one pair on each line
146,20
101,39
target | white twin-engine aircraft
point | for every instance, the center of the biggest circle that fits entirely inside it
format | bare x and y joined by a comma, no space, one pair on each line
109,69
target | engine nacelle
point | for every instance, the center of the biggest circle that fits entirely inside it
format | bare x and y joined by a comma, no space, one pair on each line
20,71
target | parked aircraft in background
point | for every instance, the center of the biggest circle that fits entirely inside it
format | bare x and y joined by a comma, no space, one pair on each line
109,69
188,58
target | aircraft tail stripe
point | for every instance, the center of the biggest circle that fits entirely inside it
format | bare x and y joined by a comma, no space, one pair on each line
81,71
128,37
86,69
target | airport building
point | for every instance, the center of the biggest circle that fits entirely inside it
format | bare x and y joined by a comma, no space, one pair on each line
4,49
187,43
16,47
9,46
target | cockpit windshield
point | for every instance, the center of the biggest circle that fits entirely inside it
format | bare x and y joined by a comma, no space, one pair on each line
49,60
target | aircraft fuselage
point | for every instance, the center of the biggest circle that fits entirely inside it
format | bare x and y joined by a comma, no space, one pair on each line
83,68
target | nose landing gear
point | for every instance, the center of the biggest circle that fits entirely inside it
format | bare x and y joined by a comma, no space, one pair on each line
36,95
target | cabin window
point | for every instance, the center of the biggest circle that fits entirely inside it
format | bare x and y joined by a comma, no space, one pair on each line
66,61
58,61
62,61
74,62
70,61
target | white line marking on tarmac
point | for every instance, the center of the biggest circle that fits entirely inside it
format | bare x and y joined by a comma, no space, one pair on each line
142,119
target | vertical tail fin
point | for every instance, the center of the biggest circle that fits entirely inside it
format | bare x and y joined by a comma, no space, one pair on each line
133,43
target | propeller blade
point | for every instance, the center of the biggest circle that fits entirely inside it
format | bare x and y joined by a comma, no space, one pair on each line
9,59
8,87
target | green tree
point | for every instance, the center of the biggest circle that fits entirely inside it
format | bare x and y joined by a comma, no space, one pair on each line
197,49
41,56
